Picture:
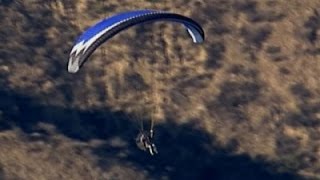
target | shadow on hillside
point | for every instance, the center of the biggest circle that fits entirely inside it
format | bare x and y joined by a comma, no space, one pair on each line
185,151
189,153
25,113
1,173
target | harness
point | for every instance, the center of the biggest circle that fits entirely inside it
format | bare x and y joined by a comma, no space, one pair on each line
144,142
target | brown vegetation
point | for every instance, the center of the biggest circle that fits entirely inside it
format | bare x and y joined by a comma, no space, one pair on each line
244,104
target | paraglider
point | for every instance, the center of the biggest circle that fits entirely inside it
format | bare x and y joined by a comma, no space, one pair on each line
99,33
144,141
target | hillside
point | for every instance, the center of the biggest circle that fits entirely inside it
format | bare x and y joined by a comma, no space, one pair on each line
244,104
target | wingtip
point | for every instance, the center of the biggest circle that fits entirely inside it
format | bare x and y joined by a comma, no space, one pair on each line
73,68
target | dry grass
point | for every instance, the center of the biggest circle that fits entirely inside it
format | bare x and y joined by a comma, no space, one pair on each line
248,95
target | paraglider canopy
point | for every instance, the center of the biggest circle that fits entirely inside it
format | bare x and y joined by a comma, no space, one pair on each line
99,33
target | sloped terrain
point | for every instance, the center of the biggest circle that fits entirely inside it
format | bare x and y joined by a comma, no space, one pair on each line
244,104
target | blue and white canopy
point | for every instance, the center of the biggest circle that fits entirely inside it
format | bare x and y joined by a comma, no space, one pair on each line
99,33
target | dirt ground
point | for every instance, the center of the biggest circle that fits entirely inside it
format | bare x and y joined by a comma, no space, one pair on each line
245,104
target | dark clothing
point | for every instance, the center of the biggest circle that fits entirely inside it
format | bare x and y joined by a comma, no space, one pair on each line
144,142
